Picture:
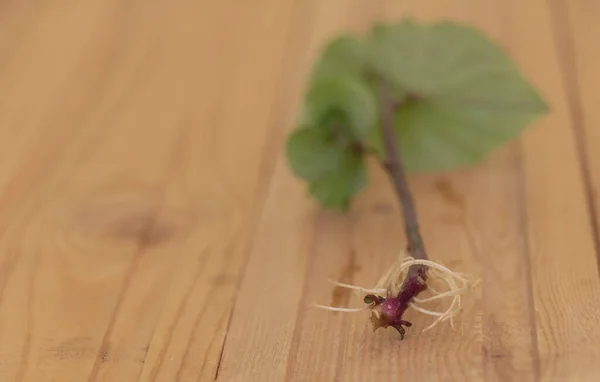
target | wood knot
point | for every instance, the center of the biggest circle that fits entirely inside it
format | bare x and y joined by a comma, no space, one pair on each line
130,218
145,227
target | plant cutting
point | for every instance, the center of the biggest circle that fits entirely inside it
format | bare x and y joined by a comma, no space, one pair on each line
418,97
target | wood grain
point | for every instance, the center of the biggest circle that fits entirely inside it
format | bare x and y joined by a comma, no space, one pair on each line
151,230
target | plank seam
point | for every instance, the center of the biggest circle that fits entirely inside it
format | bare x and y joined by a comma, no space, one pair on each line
223,345
267,167
563,39
523,219
300,312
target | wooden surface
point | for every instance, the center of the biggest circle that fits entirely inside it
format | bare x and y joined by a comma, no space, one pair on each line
150,229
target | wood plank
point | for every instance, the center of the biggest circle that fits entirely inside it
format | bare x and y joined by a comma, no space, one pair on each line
129,190
73,247
275,273
565,266
474,220
45,111
239,129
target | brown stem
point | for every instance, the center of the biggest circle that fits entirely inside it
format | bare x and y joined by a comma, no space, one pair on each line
395,169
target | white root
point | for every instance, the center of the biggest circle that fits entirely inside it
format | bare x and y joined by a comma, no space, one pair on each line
390,284
357,288
334,309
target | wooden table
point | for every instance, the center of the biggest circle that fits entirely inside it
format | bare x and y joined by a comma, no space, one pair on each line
151,230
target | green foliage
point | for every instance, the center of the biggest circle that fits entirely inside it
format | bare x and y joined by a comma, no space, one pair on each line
335,174
459,97
344,54
471,97
346,97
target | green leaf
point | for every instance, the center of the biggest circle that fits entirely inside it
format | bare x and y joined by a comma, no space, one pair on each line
349,98
343,54
337,88
335,173
470,96
336,189
310,155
